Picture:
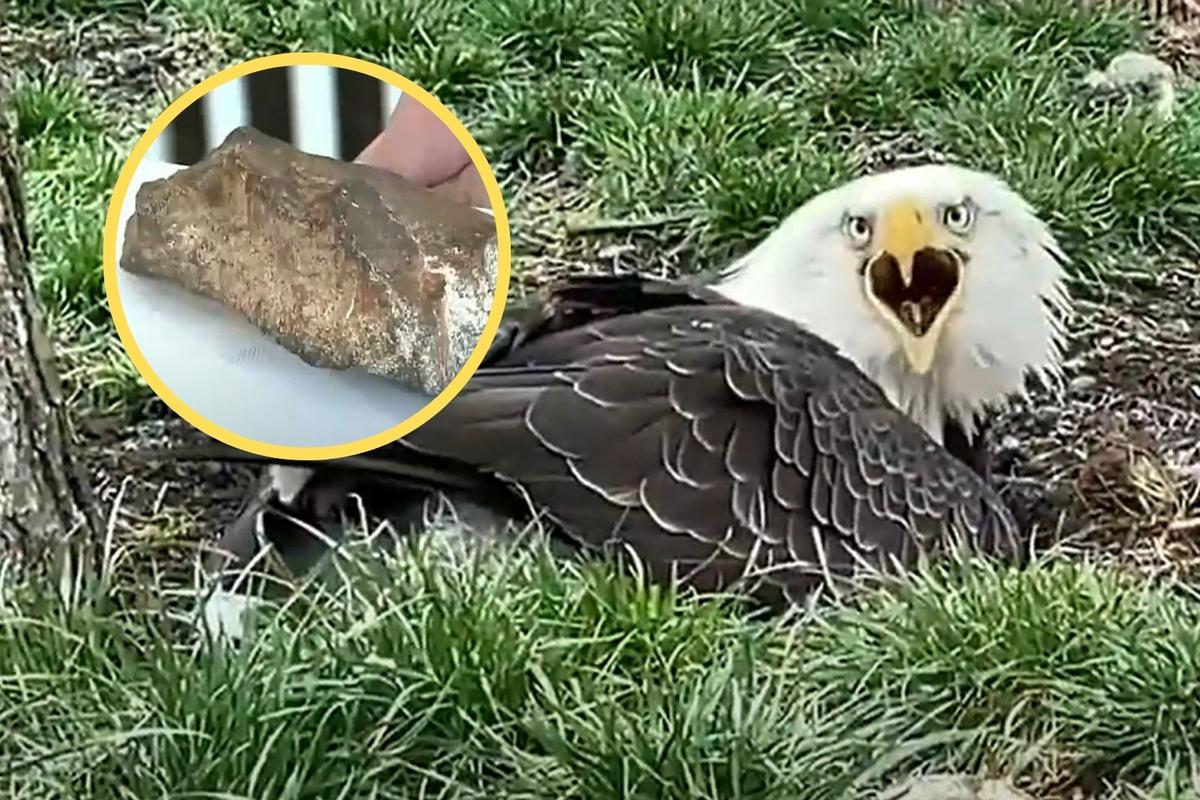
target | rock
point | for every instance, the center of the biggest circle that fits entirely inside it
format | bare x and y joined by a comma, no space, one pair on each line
343,264
953,787
1081,383
1132,71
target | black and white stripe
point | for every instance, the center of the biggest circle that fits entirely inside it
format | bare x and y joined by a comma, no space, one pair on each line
322,110
1177,11
1180,11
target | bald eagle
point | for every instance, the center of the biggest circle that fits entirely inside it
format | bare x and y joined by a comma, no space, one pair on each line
938,281
814,411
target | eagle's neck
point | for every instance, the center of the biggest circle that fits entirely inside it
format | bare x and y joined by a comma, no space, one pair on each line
926,399
921,397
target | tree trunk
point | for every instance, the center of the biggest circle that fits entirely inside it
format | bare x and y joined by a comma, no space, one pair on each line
44,495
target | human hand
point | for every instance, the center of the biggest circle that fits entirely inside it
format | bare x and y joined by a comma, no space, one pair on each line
417,145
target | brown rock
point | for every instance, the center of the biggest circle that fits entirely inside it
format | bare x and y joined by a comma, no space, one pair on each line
343,264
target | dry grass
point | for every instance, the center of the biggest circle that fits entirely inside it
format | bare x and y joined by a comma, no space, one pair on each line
510,673
1114,463
1073,677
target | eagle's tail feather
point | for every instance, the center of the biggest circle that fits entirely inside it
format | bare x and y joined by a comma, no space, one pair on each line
409,467
302,508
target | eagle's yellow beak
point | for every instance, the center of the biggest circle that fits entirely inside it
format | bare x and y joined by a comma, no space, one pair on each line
912,280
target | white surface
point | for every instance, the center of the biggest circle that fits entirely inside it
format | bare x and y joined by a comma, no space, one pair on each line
228,109
234,376
160,148
313,98
391,96
227,616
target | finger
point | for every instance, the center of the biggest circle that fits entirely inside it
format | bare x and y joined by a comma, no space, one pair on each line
465,187
417,145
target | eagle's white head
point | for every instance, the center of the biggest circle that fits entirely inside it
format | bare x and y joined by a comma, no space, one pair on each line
940,282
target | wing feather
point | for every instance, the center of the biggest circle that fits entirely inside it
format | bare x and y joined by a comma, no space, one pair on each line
718,442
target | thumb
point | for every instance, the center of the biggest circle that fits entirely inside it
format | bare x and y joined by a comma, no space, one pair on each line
417,145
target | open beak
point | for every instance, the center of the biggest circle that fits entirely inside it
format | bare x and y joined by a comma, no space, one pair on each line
913,282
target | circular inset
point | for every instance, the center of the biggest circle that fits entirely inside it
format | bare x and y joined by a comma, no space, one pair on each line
260,288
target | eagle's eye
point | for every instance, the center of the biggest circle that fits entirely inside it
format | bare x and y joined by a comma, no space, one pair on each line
958,217
858,230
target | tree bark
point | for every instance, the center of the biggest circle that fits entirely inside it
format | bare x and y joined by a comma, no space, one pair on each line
45,499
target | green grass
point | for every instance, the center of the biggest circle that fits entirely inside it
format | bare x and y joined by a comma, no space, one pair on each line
700,41
681,109
720,116
546,680
59,9
537,679
548,34
70,165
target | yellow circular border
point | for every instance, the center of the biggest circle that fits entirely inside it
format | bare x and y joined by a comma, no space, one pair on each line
113,219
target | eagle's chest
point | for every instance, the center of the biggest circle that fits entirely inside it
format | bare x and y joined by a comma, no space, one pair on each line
920,397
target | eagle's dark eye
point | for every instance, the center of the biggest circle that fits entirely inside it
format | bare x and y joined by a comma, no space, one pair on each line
858,230
958,217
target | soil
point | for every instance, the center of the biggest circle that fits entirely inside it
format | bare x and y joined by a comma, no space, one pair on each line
1112,463
132,70
135,69
1108,466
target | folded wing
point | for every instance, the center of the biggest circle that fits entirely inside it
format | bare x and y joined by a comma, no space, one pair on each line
723,444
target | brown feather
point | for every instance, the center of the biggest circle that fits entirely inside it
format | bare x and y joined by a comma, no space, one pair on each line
727,447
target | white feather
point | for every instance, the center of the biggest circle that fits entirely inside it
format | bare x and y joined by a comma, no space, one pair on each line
287,482
1007,329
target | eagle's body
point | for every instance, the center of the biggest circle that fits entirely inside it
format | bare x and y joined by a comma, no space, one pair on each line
775,430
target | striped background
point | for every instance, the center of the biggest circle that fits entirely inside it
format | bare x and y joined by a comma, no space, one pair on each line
321,110
1178,11
1175,10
